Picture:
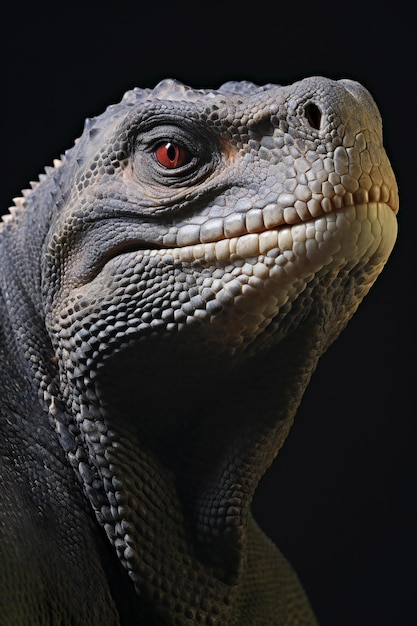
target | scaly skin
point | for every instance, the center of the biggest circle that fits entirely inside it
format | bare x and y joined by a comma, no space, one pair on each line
166,292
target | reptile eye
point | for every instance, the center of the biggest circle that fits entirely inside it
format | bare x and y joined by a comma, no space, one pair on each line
172,155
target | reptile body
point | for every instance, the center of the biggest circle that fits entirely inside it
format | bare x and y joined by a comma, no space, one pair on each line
166,291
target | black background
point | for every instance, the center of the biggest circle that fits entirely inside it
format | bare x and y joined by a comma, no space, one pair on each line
340,498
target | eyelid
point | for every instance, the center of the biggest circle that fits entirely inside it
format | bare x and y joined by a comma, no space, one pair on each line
201,144
189,133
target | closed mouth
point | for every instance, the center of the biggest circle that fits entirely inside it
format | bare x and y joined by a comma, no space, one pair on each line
312,234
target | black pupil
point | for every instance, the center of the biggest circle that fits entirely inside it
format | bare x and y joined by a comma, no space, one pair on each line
171,151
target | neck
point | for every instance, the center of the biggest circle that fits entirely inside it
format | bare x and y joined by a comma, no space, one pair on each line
174,485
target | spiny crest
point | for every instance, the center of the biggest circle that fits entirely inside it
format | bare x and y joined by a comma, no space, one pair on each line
19,201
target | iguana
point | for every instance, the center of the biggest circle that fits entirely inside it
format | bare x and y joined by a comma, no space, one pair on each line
166,291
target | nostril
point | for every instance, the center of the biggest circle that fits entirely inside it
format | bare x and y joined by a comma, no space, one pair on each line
313,115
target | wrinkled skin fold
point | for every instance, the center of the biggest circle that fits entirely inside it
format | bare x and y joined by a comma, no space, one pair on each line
166,292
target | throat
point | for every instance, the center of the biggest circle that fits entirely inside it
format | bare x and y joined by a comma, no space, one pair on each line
166,538
171,480
191,473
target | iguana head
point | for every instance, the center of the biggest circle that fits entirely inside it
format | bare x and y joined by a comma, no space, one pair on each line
200,249
201,226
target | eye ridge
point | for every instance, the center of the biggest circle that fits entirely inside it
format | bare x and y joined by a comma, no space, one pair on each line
172,155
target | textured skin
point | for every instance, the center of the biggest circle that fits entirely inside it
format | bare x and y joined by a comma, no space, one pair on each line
160,321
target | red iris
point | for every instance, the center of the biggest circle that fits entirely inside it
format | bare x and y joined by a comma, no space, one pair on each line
171,155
